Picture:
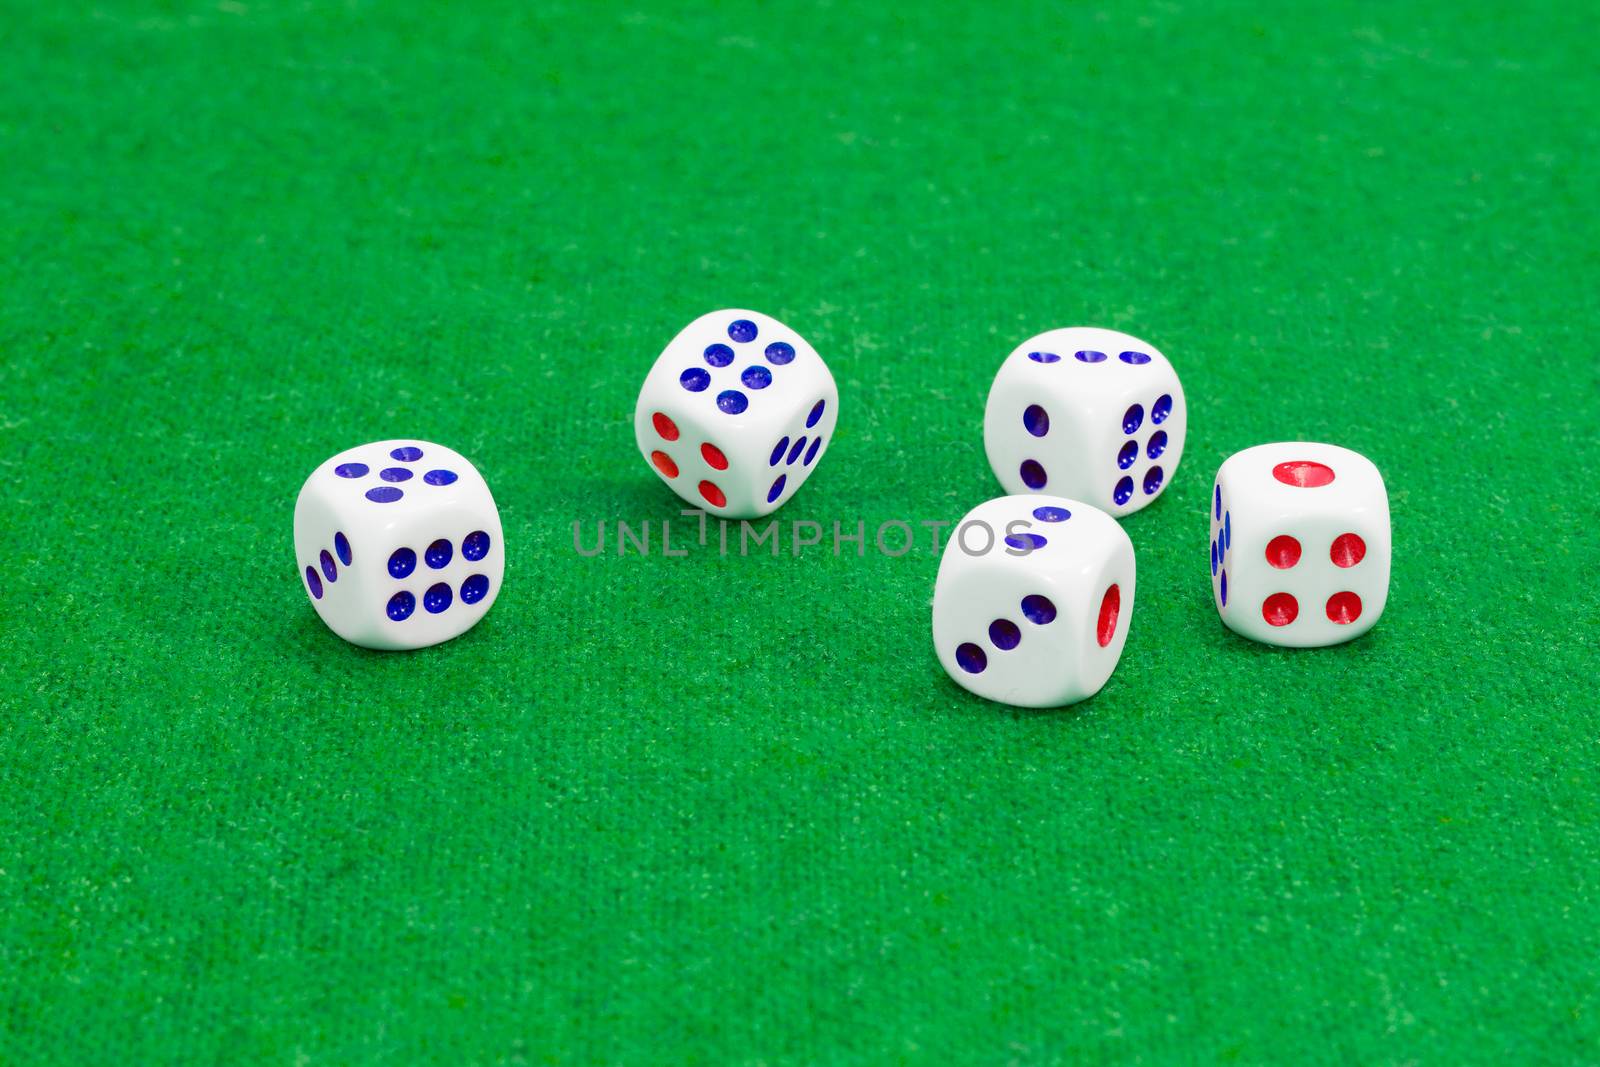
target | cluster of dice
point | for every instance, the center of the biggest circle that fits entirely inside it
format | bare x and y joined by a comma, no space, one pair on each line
1035,589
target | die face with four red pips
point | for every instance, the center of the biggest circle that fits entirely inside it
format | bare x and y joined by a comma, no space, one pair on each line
736,413
1300,544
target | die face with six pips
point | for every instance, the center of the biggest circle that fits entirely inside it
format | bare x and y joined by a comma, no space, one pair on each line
1088,413
736,413
1033,600
1300,544
399,544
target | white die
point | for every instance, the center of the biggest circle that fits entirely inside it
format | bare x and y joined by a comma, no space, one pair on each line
399,544
736,413
1036,614
1299,544
1086,413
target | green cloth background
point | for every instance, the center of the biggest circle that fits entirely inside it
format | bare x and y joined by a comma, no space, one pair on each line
714,810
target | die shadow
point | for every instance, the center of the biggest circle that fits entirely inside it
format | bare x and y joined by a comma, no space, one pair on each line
952,698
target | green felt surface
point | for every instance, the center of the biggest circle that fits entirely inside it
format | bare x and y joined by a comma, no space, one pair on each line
730,810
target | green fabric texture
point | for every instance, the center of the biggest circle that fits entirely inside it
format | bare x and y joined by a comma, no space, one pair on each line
730,810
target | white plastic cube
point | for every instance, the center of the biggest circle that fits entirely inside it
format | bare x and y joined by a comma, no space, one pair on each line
1300,544
1033,600
399,544
736,413
1087,413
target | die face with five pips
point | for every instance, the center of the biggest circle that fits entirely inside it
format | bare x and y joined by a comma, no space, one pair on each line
398,544
736,413
1088,413
1300,544
1033,600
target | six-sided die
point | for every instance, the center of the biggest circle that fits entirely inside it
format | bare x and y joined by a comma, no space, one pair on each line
1299,544
1087,413
1033,600
399,544
736,413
